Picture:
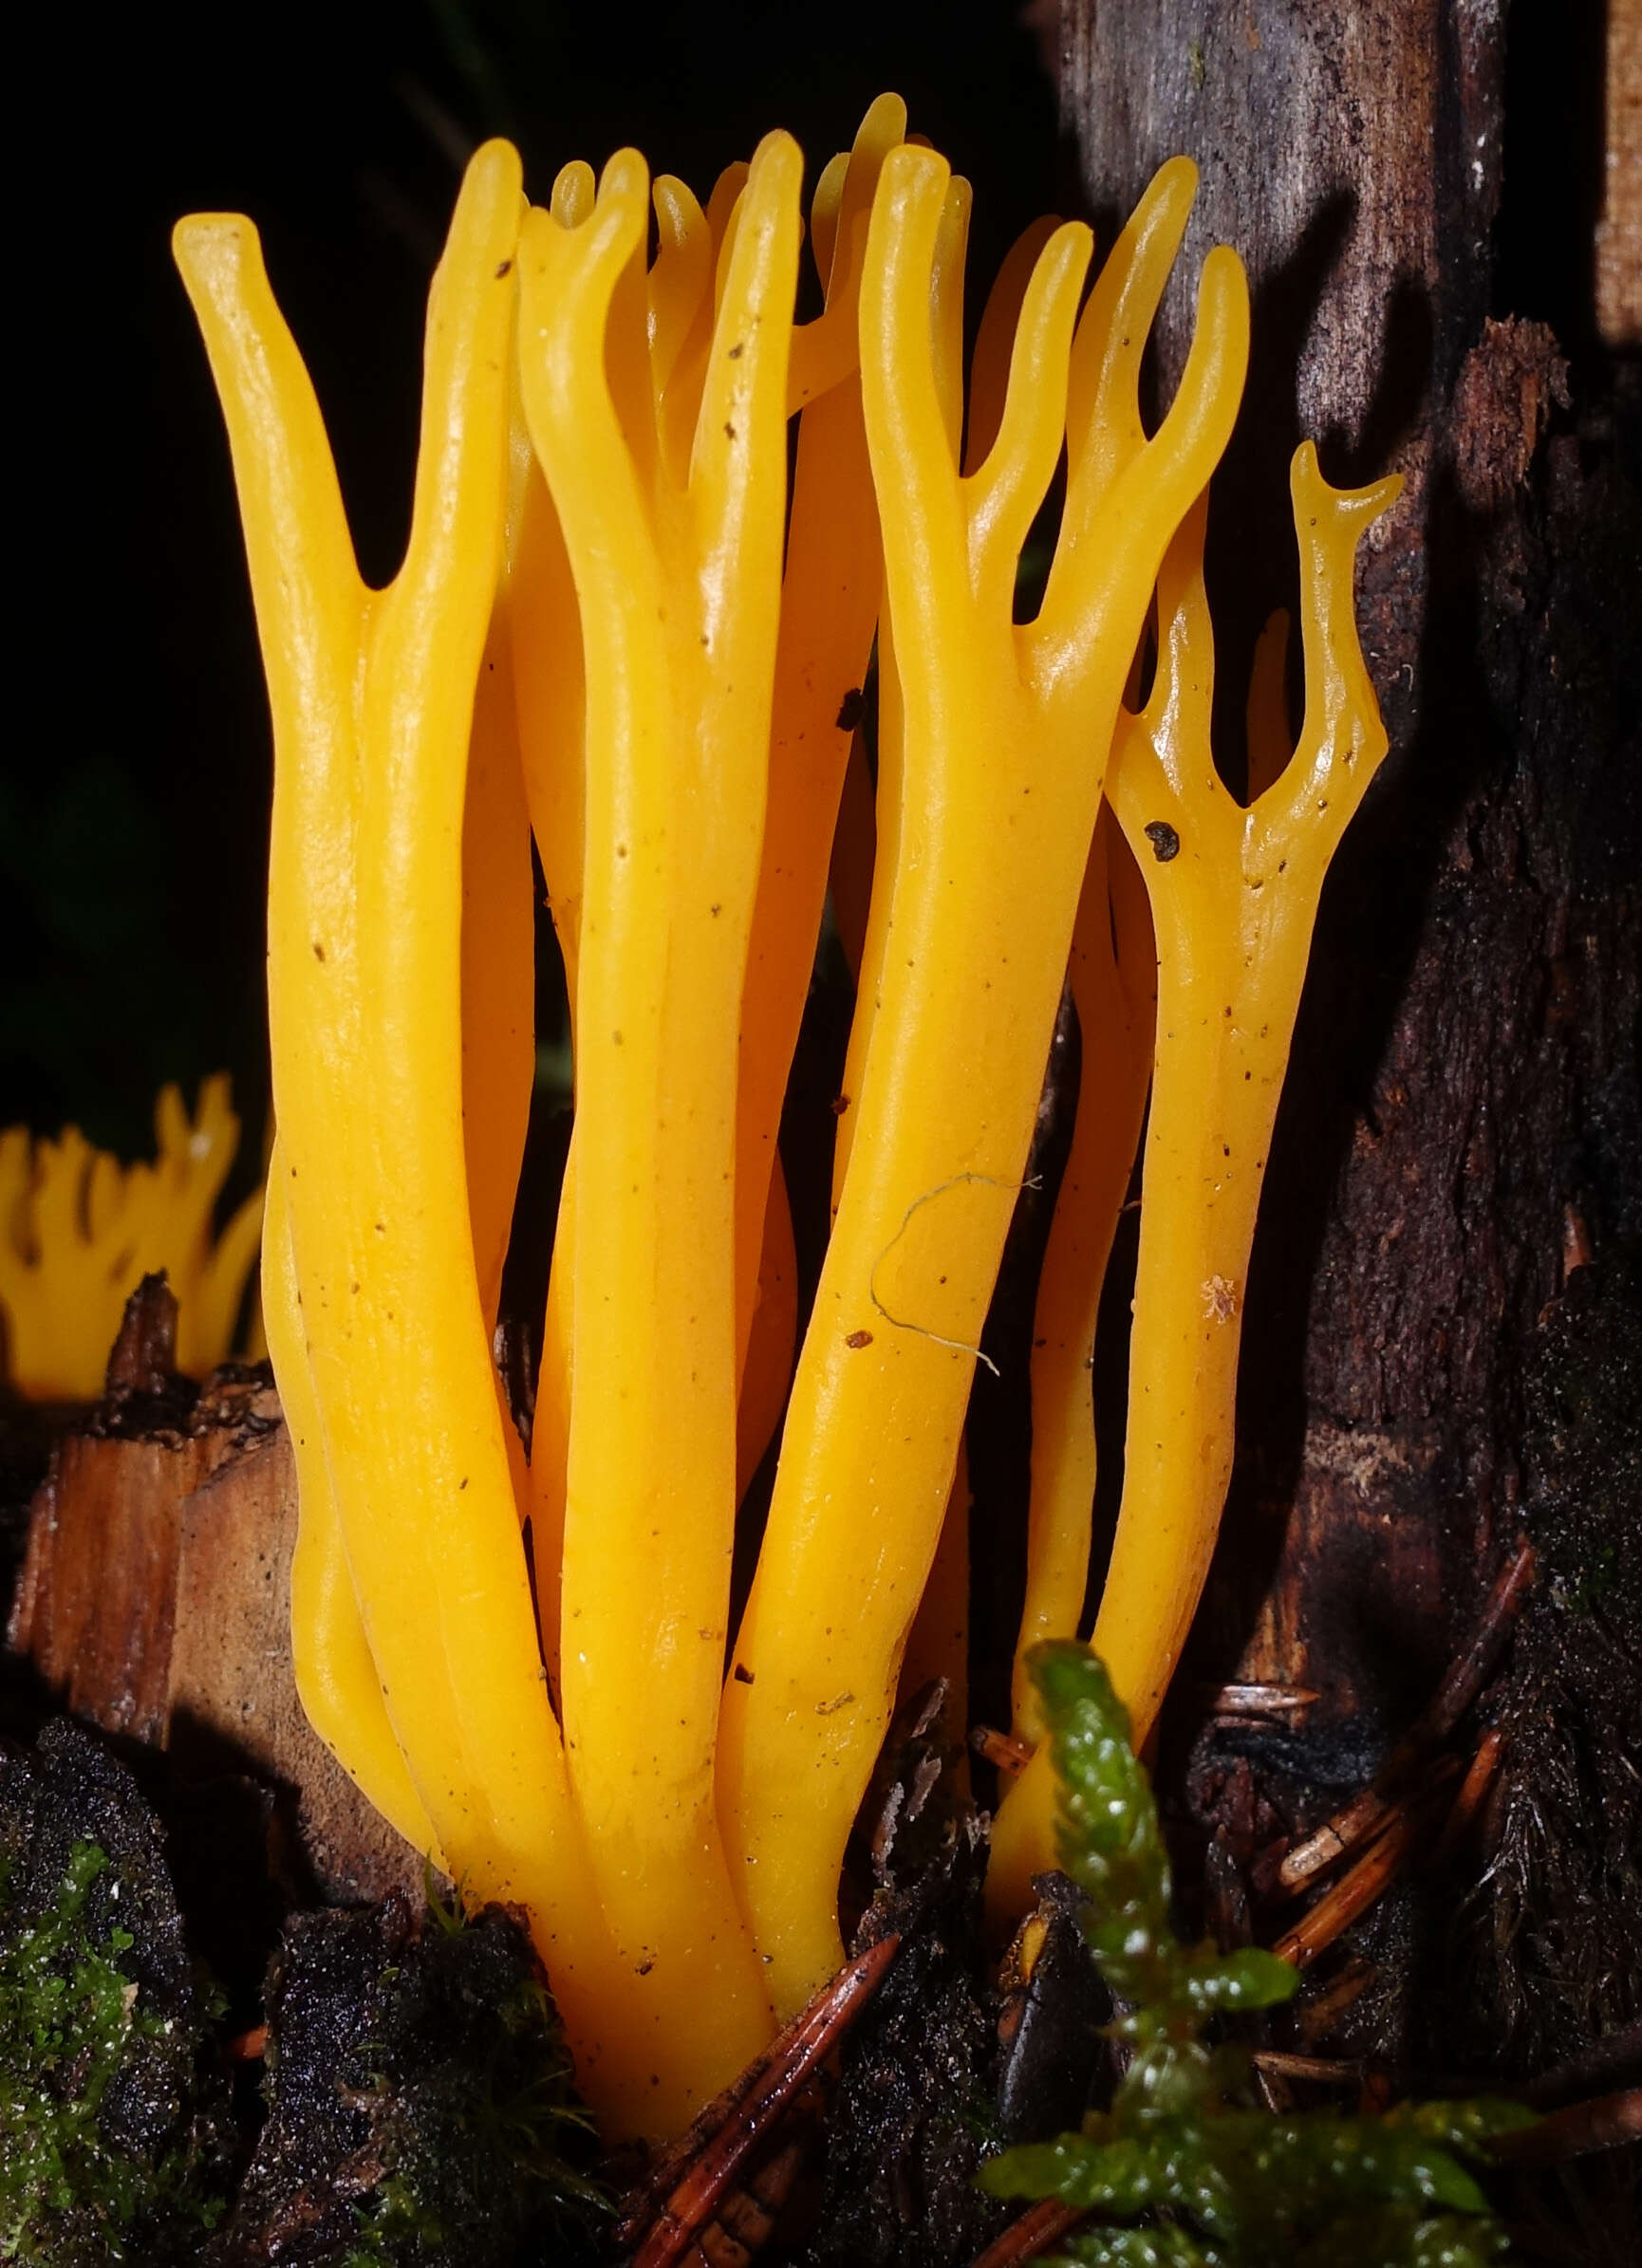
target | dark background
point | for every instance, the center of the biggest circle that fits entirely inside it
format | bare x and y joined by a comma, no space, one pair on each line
133,805
134,780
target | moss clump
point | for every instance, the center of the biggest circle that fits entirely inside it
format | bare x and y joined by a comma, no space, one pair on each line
1183,2170
75,2184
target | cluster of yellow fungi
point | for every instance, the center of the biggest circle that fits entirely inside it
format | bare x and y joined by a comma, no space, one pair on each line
633,620
79,1231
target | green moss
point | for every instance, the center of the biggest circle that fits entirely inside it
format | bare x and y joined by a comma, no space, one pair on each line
1199,2175
72,2023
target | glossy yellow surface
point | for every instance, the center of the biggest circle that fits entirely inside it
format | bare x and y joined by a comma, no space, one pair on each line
1234,897
372,696
336,1675
1114,985
946,349
677,559
79,1231
1005,728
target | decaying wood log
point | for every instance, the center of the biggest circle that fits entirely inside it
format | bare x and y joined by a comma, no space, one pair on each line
154,1594
1463,1127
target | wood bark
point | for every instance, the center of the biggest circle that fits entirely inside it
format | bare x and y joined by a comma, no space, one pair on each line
1462,1122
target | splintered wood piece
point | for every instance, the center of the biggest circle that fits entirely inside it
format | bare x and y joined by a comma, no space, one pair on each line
1262,1700
232,1693
753,2111
155,1595
1325,2070
1367,1813
1042,2225
1004,1750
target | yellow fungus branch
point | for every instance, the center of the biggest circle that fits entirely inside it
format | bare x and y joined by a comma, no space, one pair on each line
829,606
1234,897
679,589
372,696
946,346
1004,731
335,1673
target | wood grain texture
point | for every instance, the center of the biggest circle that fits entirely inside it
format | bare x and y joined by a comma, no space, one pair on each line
1619,231
154,1597
1463,1115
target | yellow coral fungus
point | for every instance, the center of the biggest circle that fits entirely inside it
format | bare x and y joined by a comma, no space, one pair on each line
1234,897
79,1231
618,613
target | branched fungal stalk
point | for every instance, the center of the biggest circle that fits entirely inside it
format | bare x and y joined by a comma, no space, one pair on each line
614,629
372,696
675,552
1234,898
1003,731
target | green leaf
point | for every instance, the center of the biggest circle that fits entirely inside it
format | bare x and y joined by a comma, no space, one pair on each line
1246,1979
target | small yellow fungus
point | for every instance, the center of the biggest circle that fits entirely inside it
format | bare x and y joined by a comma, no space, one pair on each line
79,1232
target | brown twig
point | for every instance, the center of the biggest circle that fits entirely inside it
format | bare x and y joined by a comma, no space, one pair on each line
1044,2224
1349,1898
1606,2122
1262,1700
1363,1816
249,2047
1352,1896
1367,1813
746,2215
1471,1669
1327,2071
1473,1791
752,2114
1003,1749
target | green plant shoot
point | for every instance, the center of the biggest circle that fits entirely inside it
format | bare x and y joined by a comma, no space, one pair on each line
1186,2170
